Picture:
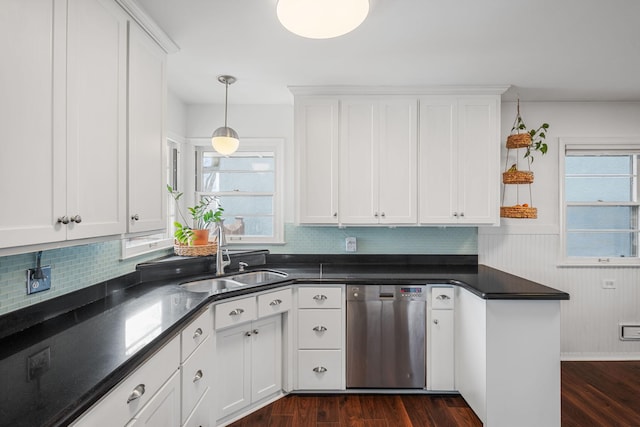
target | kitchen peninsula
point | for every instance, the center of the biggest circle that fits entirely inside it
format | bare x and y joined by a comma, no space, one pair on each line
507,355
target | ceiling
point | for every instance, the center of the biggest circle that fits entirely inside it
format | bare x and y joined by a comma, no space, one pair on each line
547,50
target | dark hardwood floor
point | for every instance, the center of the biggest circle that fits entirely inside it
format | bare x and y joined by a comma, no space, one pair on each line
594,394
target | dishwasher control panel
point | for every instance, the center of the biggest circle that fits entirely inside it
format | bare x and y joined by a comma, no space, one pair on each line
371,292
416,291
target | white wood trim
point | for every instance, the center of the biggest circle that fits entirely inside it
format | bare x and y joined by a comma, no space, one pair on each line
399,90
149,25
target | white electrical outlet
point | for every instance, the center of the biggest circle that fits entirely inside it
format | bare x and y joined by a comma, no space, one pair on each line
608,284
351,244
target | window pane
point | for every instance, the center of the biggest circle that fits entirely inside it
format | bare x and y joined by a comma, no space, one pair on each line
257,182
246,205
601,217
253,226
598,165
210,161
598,189
602,244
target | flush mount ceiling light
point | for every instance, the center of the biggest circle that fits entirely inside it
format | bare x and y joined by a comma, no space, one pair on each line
321,19
224,139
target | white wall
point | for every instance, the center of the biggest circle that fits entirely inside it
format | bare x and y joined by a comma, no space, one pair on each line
176,117
530,248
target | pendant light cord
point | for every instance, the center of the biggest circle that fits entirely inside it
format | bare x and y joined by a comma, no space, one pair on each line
226,96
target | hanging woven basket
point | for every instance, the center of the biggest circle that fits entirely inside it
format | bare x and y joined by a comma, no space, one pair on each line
517,177
518,212
518,140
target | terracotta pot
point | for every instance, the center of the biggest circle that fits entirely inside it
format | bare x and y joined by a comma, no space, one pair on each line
200,237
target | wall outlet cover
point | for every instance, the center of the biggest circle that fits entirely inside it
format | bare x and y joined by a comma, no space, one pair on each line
41,283
351,244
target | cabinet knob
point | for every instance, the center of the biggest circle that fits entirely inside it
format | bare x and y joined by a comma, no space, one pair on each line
197,333
435,321
335,214
275,302
136,393
236,312
461,213
135,217
383,215
320,329
455,214
375,214
63,220
319,369
255,332
198,376
77,219
247,334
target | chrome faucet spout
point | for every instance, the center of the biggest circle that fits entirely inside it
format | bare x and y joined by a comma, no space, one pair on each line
220,262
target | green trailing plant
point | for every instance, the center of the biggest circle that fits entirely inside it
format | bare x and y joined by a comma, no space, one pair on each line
201,216
538,136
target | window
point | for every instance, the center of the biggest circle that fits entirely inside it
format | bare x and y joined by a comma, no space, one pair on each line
248,185
601,204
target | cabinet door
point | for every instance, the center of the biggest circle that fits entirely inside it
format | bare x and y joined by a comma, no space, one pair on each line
437,162
478,161
316,133
397,165
266,362
359,161
96,118
163,410
146,142
32,153
441,361
233,378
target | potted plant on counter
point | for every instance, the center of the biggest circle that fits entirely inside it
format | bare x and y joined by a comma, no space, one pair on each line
195,232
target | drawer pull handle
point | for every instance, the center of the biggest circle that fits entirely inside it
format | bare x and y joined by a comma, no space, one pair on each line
236,312
320,297
136,393
197,333
275,302
198,376
443,297
319,369
320,329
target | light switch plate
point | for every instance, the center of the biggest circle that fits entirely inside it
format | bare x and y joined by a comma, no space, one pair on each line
38,285
351,244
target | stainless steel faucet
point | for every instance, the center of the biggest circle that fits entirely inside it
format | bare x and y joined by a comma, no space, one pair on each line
220,262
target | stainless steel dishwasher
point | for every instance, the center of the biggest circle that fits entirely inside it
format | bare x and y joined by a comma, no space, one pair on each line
386,336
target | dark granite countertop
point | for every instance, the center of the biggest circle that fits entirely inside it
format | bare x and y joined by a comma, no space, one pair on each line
58,358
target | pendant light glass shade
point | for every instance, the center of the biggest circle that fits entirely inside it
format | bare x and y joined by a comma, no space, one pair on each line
321,19
224,139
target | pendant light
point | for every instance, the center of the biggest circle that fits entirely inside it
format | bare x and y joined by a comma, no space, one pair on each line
321,19
225,139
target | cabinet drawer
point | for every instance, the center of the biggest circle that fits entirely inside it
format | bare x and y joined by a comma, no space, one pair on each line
197,376
196,332
320,328
113,409
274,302
320,297
235,312
442,298
319,369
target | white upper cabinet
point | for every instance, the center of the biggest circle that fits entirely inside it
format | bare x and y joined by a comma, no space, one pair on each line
146,140
63,115
378,150
316,134
459,160
96,118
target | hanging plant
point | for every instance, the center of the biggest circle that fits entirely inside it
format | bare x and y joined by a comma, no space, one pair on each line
531,139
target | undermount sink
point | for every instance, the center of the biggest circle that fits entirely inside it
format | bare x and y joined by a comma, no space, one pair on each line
258,277
227,283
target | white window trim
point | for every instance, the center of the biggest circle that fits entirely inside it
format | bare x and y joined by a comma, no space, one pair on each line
249,145
605,145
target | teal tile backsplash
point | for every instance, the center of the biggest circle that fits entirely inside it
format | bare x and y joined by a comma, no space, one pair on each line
77,267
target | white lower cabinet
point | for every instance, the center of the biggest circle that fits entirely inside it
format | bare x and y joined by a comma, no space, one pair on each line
201,415
320,338
440,333
249,357
163,410
131,399
197,377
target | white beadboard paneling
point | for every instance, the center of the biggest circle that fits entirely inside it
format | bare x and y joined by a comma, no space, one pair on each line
590,319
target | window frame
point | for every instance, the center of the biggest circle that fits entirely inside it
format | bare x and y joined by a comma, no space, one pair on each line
600,146
248,146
